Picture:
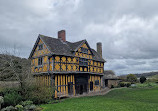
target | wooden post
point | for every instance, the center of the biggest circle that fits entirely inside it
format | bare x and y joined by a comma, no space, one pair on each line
93,77
58,83
61,83
74,85
56,86
66,85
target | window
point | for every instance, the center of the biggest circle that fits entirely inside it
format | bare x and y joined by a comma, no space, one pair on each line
40,47
84,50
40,61
96,82
52,65
83,62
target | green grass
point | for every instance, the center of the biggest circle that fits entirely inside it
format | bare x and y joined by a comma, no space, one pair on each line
125,99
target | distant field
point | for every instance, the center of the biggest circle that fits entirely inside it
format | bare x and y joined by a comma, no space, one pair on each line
125,99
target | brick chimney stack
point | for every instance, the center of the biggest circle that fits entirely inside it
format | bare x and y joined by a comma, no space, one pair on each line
62,35
99,48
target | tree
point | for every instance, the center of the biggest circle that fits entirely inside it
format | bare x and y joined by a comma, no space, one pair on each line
142,79
15,69
109,74
131,78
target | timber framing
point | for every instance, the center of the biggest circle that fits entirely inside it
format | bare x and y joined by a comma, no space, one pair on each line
71,68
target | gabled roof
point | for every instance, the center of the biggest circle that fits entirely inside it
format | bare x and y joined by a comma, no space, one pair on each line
75,44
97,56
58,47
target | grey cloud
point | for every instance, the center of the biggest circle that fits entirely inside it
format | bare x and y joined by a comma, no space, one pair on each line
127,28
126,66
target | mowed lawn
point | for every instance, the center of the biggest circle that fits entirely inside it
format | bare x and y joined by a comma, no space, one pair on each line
126,99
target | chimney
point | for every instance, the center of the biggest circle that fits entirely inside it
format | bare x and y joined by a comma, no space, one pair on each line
99,48
62,35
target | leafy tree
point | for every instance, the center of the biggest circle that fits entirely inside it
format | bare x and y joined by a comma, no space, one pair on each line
142,79
131,78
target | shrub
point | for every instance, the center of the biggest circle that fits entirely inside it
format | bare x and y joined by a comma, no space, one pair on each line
155,80
19,107
128,84
131,78
112,86
123,84
142,79
1,101
42,95
152,84
11,97
30,107
9,108
25,103
146,85
39,94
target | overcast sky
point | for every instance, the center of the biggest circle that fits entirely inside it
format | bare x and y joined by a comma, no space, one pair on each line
128,29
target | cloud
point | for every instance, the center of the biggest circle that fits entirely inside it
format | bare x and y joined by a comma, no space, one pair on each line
127,28
127,37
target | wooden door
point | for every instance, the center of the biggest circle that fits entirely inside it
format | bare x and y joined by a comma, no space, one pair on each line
70,88
91,86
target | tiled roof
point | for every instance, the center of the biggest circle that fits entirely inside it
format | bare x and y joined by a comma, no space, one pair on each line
74,45
58,47
97,56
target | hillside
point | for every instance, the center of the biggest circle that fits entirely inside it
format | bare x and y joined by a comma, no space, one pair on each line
155,76
147,75
8,62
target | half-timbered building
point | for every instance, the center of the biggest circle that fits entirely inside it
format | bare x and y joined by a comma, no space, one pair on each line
71,67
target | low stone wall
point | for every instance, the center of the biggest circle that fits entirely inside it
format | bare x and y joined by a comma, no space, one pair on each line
113,82
9,84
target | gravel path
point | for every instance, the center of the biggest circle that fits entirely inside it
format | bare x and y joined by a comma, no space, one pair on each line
96,93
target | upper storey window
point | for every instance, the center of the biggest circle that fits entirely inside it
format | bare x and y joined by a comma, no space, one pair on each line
83,62
84,50
40,61
40,47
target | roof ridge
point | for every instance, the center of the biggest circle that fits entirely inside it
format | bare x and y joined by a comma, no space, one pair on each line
41,35
75,42
47,36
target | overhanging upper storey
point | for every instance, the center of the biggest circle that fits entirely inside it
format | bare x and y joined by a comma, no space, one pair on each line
58,55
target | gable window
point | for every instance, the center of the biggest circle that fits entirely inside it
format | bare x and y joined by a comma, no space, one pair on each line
84,50
40,47
53,65
40,61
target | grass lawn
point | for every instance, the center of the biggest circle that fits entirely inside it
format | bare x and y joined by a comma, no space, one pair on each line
126,99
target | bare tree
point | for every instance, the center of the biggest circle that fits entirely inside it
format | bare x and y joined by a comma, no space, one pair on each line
18,67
